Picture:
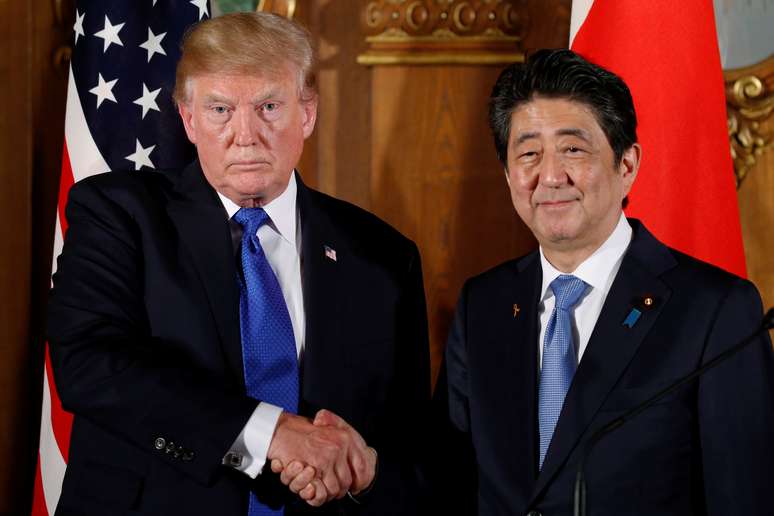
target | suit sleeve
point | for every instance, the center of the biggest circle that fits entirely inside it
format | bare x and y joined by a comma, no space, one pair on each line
736,411
109,369
452,465
398,487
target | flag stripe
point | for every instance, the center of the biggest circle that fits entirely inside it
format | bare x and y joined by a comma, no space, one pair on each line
85,158
65,182
61,420
39,501
52,463
580,9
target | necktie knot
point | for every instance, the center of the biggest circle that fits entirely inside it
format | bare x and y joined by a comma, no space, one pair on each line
251,219
568,290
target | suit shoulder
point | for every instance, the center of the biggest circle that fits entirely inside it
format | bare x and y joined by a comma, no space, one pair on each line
501,275
360,225
700,276
506,268
679,271
122,186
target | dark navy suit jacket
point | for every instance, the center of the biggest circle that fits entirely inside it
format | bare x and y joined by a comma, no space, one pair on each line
145,343
706,449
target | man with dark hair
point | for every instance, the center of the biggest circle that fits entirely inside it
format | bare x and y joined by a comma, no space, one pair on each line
210,322
548,348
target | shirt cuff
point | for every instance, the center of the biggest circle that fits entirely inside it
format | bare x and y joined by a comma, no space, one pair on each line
248,453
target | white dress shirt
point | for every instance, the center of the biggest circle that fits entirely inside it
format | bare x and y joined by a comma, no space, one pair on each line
598,271
280,240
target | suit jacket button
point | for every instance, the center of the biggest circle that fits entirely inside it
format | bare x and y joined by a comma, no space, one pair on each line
534,513
188,456
159,443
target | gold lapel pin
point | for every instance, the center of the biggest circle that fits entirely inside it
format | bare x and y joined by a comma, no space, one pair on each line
516,309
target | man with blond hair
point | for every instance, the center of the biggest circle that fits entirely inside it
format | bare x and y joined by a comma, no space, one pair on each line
229,340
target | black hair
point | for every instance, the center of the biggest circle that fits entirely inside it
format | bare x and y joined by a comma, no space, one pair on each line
564,74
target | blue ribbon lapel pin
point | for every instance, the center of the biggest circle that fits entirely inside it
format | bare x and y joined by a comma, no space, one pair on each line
641,305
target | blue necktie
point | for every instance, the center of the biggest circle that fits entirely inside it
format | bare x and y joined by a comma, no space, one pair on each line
268,346
558,357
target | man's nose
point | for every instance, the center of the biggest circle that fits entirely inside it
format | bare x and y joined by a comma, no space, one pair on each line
247,130
553,170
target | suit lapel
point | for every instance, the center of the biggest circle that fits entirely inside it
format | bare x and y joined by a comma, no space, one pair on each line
202,224
521,334
612,345
321,279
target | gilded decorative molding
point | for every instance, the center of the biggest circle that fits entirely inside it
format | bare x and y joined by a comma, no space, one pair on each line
443,31
750,103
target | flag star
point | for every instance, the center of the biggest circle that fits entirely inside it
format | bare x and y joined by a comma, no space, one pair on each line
153,45
78,27
202,6
141,156
148,100
104,90
110,34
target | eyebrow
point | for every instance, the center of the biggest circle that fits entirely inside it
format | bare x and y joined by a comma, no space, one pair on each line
525,136
570,131
215,97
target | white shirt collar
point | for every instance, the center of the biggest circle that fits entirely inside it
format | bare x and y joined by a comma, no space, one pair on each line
281,211
597,268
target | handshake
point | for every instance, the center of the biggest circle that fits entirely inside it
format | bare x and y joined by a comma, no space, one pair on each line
322,459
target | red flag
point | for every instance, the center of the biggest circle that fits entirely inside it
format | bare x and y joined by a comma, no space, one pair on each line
667,52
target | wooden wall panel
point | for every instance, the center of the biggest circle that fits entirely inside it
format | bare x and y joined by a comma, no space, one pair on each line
15,235
31,134
756,191
411,144
756,210
341,143
435,176
434,173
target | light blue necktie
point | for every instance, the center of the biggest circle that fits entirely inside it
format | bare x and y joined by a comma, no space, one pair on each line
268,345
558,357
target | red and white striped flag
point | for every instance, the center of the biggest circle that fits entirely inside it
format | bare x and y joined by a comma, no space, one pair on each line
667,52
120,115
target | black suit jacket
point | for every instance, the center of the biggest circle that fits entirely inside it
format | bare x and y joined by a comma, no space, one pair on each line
706,449
145,344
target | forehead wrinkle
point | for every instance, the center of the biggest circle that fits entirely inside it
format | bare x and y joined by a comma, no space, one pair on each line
524,136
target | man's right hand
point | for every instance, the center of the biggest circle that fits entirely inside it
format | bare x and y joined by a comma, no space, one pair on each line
324,448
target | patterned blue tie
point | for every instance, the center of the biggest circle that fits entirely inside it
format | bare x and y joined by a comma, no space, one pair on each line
268,345
558,357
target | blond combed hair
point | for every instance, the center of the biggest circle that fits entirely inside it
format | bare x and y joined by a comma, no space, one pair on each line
248,43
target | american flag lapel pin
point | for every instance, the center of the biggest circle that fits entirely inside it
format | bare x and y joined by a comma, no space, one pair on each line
330,252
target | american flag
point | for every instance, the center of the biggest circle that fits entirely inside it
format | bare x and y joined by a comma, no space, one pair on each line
120,115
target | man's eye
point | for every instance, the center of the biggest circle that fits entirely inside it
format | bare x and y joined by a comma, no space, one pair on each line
573,150
220,110
270,106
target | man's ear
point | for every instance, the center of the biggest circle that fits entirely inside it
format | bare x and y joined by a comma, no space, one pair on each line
309,116
629,165
188,121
